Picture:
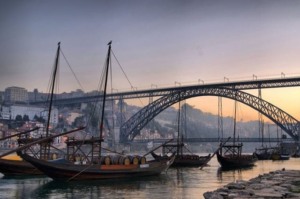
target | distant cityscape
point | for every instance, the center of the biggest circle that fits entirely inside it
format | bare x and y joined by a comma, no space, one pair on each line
16,101
17,114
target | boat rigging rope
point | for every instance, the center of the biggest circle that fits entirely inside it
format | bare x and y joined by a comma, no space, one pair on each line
125,74
77,174
189,150
72,70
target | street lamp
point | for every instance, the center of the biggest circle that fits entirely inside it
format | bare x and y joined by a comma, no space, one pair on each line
177,83
154,86
134,88
113,89
200,80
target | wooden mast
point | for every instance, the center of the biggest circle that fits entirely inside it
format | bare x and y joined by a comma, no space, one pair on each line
104,94
46,147
52,88
179,141
234,122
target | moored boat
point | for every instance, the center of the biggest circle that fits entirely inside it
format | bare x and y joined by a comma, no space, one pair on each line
184,160
279,155
85,160
264,153
183,156
65,170
17,166
14,165
230,155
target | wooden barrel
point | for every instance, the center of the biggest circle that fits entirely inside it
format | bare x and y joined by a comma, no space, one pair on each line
134,160
115,159
71,158
54,156
77,158
107,160
142,159
124,160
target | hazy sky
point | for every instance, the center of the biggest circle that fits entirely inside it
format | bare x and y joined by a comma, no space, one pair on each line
156,41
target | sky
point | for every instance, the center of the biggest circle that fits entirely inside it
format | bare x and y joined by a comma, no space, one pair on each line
156,43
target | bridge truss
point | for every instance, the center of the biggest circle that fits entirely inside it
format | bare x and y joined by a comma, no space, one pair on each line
133,126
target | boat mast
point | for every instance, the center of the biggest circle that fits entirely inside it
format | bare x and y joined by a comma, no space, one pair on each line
185,127
104,94
262,133
52,88
234,122
179,141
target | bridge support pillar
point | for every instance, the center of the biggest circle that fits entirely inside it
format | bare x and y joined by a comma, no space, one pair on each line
298,145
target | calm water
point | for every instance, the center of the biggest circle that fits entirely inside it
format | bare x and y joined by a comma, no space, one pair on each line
176,183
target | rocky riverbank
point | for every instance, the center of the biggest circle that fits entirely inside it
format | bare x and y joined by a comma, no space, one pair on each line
277,184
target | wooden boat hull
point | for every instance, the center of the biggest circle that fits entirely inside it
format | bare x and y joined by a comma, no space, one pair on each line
186,160
233,162
265,153
65,170
263,156
18,167
275,157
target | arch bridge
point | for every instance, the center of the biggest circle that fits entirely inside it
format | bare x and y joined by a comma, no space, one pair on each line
133,126
172,95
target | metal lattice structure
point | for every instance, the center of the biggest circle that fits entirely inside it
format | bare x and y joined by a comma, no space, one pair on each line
133,126
159,92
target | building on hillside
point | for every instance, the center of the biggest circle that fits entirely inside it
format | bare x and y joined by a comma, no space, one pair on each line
11,112
15,94
36,96
72,94
4,112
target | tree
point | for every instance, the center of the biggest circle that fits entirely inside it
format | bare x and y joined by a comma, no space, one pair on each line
19,121
25,118
39,119
19,118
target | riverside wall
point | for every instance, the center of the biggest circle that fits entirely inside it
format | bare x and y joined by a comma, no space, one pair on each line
277,184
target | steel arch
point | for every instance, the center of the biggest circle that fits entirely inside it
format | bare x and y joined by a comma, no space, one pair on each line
285,121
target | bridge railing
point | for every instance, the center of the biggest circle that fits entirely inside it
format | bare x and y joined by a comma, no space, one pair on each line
157,92
195,140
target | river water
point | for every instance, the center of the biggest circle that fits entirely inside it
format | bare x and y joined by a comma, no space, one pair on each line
176,183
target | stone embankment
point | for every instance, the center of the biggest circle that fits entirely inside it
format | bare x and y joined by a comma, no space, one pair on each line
277,184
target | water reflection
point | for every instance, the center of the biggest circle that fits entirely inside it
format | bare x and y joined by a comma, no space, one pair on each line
231,174
124,188
177,183
20,187
23,177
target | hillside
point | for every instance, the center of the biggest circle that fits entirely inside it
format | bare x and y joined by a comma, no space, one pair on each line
199,124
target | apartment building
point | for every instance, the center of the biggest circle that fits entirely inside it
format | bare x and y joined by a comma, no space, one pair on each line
15,94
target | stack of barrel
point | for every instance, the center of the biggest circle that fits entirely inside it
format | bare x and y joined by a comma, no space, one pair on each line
122,160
